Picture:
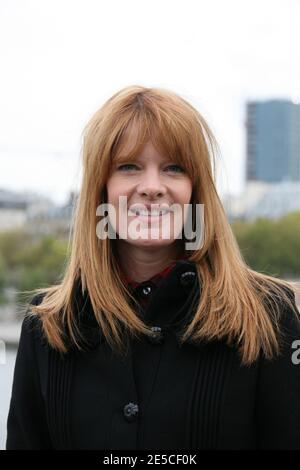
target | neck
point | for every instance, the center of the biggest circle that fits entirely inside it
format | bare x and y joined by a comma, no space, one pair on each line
140,264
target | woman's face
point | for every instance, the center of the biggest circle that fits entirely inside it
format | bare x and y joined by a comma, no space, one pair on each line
150,182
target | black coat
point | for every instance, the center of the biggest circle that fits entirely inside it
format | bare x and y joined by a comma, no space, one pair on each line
159,395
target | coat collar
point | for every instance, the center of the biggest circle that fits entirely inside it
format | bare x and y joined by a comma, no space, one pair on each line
170,307
172,301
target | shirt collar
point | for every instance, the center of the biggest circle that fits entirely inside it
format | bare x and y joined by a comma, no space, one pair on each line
131,284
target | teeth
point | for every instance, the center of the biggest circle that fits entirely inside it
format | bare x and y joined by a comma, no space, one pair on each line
147,213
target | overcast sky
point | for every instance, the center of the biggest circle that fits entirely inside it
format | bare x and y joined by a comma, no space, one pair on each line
61,59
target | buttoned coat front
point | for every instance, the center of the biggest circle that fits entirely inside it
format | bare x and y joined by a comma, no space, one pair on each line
160,394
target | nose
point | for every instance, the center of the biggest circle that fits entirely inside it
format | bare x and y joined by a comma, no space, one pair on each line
151,185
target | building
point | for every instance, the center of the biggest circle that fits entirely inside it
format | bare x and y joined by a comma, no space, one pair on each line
34,213
263,200
273,141
13,209
51,220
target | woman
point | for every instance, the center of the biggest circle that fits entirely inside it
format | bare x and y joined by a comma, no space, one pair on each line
148,341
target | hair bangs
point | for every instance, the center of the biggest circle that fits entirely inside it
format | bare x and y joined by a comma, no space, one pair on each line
168,137
131,139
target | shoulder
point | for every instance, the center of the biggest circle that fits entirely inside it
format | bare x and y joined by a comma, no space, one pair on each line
287,326
278,387
289,320
37,298
282,309
31,330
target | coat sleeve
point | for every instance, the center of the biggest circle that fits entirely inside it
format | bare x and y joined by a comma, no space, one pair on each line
279,390
26,424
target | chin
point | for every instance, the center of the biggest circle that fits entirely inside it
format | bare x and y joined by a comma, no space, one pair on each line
150,243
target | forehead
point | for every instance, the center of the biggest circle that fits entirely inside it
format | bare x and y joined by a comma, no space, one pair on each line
140,143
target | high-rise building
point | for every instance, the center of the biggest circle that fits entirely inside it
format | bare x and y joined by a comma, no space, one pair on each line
273,141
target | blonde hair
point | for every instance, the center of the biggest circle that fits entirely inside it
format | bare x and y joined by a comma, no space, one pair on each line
236,303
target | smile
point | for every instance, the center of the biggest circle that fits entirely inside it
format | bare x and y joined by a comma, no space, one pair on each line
146,213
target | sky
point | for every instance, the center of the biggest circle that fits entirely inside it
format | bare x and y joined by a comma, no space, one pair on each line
62,59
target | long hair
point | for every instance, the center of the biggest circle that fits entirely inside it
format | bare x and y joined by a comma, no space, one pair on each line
237,303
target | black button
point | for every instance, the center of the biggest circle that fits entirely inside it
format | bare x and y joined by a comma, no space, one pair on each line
131,411
146,290
157,336
188,278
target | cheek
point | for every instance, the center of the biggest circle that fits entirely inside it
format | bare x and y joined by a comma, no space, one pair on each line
184,192
114,190
117,187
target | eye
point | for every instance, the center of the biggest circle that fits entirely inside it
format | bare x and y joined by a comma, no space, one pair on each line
176,168
127,167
